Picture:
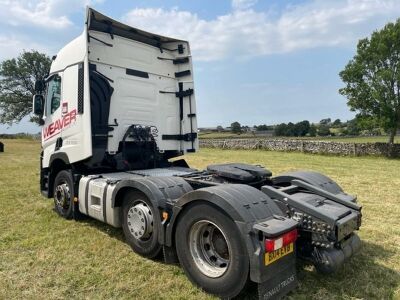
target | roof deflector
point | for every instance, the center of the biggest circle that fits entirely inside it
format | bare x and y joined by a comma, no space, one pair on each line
99,22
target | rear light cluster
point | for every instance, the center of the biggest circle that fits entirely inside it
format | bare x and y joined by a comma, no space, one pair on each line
279,242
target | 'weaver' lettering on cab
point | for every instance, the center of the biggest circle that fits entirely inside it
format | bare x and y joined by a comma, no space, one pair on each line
55,127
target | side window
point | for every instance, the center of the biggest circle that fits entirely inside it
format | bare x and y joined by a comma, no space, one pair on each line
53,96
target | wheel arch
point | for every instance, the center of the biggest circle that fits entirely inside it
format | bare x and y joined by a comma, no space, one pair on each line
161,191
244,204
158,189
58,162
314,178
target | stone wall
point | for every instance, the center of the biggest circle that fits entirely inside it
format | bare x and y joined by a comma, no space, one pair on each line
307,146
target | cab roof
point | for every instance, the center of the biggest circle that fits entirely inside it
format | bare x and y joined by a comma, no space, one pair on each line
75,51
99,22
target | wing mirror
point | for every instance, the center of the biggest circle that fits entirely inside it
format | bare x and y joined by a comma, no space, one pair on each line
39,86
38,101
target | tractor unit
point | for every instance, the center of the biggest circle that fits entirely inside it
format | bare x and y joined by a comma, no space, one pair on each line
118,108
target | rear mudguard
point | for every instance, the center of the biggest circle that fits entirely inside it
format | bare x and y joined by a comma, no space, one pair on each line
256,215
159,190
314,178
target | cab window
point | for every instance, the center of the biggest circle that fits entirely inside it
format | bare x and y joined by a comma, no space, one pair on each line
53,97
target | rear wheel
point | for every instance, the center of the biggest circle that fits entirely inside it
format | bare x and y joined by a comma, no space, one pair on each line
140,225
64,194
211,251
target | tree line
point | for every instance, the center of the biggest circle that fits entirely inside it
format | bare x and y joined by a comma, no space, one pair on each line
326,127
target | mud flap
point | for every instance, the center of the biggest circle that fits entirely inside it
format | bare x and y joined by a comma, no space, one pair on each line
278,286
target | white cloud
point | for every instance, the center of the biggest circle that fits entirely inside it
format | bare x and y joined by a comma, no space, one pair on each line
51,14
11,46
245,33
243,4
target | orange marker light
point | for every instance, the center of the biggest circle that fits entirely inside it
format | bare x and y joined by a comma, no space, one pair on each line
164,215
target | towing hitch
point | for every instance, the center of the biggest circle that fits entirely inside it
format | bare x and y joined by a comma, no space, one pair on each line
326,222
328,261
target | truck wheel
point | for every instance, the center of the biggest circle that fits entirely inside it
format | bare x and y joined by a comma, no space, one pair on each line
211,251
139,224
63,194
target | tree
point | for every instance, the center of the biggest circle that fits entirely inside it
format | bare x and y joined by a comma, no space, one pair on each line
220,128
263,127
367,123
352,127
18,76
372,78
290,129
280,130
323,130
302,128
313,130
337,123
325,121
236,127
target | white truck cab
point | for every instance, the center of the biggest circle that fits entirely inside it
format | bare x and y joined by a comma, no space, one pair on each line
110,86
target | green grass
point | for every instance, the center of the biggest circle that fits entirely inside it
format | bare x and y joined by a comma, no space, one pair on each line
45,257
356,139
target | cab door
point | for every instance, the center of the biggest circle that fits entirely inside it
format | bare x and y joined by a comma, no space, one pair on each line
52,127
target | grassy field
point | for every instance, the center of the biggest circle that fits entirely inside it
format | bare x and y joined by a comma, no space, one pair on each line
45,257
357,139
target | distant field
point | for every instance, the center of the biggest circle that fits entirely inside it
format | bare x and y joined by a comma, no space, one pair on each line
224,135
45,257
358,139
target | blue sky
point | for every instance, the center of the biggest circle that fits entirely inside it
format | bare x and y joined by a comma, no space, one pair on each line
255,62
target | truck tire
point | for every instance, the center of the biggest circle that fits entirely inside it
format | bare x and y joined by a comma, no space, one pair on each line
64,194
140,228
211,250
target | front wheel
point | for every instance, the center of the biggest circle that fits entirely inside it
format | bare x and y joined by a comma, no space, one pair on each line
64,194
211,250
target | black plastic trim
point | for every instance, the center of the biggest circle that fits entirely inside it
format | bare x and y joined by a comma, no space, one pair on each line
182,60
185,93
80,88
59,143
137,73
180,48
188,137
182,73
60,155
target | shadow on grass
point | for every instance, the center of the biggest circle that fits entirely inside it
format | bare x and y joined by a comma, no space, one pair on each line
115,233
362,276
